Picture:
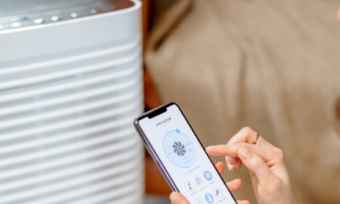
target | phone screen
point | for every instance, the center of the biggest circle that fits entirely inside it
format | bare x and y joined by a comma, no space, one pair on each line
183,159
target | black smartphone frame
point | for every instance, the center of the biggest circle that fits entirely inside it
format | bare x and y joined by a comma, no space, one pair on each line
153,113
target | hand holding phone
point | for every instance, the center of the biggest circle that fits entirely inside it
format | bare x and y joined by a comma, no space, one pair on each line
178,198
265,163
181,157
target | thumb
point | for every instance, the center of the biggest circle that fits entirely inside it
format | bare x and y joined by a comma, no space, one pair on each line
256,165
178,198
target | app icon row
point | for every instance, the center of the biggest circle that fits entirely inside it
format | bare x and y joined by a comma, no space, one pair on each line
190,185
198,181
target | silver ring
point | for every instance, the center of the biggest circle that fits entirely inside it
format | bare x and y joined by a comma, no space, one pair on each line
257,137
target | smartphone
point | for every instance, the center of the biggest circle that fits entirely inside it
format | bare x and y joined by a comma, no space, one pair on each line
180,156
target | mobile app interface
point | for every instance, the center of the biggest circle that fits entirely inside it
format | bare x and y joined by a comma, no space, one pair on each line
184,158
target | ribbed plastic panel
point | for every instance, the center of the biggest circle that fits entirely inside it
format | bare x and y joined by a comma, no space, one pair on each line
9,7
66,133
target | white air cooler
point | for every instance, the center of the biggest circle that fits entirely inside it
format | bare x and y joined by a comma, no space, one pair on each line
70,87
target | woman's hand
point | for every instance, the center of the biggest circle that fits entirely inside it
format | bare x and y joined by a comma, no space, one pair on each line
265,163
178,198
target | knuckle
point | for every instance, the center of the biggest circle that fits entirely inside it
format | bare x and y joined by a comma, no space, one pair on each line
256,163
244,145
231,160
279,153
247,130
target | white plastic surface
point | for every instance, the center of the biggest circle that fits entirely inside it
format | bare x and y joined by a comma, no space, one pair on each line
69,92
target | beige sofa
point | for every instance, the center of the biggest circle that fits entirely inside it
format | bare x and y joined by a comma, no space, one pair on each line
273,65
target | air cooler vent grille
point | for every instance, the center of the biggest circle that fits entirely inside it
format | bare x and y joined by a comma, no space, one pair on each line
66,128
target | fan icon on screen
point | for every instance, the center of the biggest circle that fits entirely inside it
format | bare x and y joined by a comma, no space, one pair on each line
179,148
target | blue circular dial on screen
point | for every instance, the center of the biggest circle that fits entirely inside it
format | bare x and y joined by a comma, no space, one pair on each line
179,148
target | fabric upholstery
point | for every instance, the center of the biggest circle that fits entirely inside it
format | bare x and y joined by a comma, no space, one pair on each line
271,65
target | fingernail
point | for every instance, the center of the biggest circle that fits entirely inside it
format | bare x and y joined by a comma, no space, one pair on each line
244,153
209,148
230,167
174,197
237,165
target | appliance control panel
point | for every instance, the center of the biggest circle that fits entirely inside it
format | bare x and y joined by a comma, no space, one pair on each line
52,11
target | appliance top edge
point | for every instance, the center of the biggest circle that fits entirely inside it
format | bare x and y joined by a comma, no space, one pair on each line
136,6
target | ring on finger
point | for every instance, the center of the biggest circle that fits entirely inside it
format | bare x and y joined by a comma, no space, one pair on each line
257,138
